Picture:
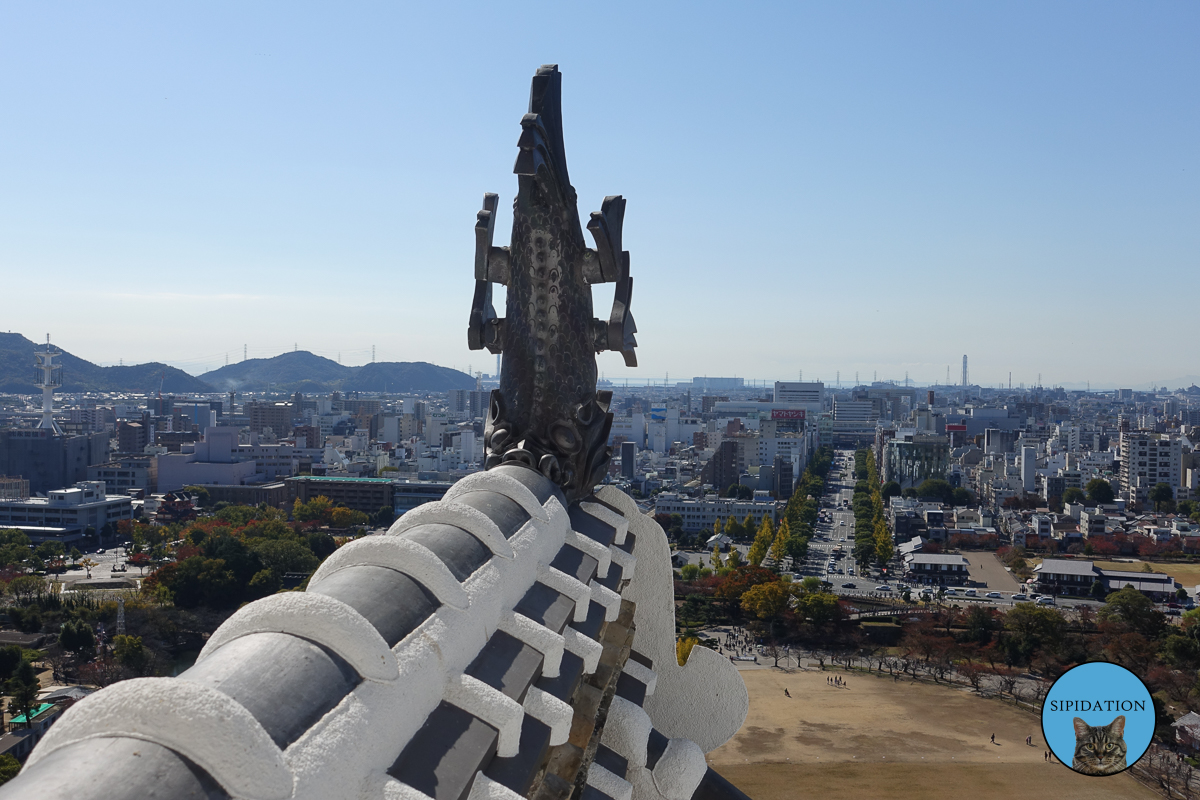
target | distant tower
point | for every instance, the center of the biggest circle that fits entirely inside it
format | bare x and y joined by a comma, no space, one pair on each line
46,376
966,375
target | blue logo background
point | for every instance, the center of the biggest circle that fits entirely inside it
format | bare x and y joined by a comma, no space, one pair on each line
1098,681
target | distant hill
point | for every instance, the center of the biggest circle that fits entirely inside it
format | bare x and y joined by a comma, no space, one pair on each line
16,373
306,372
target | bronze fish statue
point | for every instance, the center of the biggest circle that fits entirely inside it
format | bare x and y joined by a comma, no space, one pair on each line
547,413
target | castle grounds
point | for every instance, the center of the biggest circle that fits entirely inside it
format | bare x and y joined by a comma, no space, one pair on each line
882,738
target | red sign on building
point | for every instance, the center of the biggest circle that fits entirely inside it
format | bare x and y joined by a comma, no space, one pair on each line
787,413
951,428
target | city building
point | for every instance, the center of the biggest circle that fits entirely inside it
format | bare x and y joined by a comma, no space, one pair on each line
211,461
408,495
808,394
701,514
127,474
910,458
66,515
50,460
360,494
1148,459
937,568
276,416
1061,576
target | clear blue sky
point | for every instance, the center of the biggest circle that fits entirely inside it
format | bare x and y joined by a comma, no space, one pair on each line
818,187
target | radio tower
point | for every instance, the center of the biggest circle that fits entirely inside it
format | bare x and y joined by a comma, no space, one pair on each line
966,379
47,375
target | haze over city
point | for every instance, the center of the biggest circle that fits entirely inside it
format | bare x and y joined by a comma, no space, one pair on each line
870,188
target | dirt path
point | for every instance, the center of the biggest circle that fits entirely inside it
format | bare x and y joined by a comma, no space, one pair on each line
987,568
899,740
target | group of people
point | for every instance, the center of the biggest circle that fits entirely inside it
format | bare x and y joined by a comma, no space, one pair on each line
836,680
739,644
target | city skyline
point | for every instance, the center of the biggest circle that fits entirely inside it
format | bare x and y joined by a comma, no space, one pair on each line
826,188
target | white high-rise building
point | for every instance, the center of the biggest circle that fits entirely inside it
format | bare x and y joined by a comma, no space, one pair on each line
809,393
1148,459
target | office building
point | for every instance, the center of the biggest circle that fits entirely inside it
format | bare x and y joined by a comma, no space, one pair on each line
66,515
49,460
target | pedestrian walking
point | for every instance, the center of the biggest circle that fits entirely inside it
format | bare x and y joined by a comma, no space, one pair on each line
786,693
993,738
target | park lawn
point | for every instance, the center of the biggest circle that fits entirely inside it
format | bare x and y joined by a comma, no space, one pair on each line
883,738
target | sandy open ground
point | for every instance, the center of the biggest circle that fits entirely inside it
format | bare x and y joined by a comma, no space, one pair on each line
879,738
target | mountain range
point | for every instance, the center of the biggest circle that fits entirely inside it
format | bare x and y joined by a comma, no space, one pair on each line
302,371
288,372
79,375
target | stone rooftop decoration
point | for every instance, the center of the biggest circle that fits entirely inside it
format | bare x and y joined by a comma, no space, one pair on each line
513,640
547,413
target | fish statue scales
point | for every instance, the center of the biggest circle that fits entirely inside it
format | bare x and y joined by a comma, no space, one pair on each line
547,413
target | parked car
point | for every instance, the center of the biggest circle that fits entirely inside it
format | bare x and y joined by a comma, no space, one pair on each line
994,595
1020,598
1045,601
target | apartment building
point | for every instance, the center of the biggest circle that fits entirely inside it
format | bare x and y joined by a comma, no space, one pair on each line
1148,459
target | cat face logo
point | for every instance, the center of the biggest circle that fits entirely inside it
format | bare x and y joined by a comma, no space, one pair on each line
1099,749
1098,719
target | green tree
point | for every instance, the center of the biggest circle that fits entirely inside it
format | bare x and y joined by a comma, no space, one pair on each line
810,584
734,559
75,555
962,497
76,637
342,517
936,487
50,551
883,543
689,572
766,600
819,608
1134,610
762,542
980,625
1033,626
715,558
1099,491
11,657
1162,495
1097,590
889,490
130,653
23,689
319,509
733,528
9,767
779,546
1074,495
200,493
